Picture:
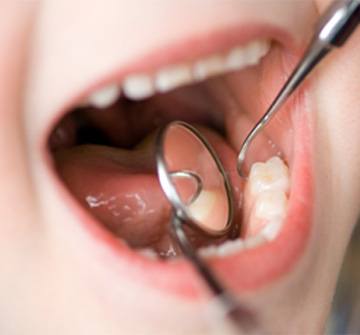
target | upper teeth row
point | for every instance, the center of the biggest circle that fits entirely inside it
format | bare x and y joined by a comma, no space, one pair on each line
141,86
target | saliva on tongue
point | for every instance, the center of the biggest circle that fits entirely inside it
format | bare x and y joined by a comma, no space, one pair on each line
121,189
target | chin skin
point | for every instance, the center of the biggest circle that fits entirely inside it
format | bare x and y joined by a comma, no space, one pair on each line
53,281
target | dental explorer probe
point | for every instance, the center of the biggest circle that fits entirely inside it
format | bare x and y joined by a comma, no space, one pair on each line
334,28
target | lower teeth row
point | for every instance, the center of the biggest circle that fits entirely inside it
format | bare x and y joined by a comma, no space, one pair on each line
265,207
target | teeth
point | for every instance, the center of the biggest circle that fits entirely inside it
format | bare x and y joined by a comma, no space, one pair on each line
254,241
269,183
268,187
172,77
149,253
272,175
232,247
202,208
270,205
255,50
227,248
105,97
208,68
236,59
251,54
271,230
138,87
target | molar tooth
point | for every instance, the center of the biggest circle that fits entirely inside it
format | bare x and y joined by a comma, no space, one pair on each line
223,250
272,175
230,247
138,87
271,205
210,251
203,206
172,77
104,97
206,68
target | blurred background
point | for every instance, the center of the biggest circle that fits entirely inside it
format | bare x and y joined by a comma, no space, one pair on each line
345,316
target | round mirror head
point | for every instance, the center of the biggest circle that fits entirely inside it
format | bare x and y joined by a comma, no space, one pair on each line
193,179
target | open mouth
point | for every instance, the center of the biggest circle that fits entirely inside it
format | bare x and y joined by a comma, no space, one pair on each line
102,149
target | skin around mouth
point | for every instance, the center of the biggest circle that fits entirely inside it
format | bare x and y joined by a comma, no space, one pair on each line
96,174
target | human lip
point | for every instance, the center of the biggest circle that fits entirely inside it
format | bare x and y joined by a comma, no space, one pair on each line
169,52
251,272
190,49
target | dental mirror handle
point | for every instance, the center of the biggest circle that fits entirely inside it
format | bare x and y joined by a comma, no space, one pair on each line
238,315
334,28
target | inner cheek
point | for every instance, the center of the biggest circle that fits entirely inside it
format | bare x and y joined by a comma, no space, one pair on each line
254,92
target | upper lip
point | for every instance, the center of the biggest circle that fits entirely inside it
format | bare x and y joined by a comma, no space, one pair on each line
179,277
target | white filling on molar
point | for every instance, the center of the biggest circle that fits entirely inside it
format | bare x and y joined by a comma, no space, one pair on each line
104,97
208,67
203,206
138,87
272,175
172,77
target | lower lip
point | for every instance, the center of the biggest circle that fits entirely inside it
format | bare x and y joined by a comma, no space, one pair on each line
244,271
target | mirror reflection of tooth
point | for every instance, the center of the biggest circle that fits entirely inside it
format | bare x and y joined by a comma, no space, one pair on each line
203,205
209,209
255,51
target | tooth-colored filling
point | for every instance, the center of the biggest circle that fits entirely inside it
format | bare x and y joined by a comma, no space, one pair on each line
210,208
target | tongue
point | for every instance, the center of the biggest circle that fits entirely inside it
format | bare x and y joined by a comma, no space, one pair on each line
121,189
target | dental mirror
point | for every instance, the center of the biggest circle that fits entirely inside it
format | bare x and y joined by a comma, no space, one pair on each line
197,187
194,180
